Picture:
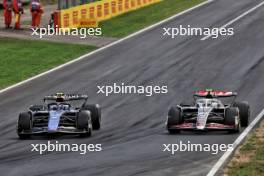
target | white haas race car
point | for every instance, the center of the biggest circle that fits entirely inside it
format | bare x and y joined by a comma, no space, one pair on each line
208,112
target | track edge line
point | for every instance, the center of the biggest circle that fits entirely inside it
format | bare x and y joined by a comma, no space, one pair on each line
219,164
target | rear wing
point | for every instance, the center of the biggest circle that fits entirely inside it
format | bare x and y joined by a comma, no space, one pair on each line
65,97
214,94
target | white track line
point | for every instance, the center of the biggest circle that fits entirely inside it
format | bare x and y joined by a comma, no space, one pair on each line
105,47
240,138
236,19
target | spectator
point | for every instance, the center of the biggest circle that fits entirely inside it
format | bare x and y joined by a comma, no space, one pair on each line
8,6
36,12
18,10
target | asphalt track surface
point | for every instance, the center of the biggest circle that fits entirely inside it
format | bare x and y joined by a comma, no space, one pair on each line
133,125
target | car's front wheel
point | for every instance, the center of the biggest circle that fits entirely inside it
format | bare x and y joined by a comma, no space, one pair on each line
174,118
24,124
83,122
230,119
244,112
95,110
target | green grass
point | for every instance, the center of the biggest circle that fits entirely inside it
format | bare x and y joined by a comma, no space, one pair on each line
21,59
128,23
255,166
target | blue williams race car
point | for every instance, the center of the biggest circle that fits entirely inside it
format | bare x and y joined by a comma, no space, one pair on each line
61,113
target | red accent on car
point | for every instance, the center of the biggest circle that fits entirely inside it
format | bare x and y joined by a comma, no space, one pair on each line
214,93
184,125
218,125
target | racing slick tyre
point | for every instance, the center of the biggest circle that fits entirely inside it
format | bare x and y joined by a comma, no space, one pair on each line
37,108
244,112
95,110
230,119
174,118
24,124
186,104
83,122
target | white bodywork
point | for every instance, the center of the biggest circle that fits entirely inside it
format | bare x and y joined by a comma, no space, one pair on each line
205,106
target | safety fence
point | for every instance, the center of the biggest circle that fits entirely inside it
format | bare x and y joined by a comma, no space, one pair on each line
88,15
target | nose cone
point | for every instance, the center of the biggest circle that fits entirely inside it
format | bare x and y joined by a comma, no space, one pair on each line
203,114
54,120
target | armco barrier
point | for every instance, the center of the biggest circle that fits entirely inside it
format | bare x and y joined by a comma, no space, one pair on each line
99,11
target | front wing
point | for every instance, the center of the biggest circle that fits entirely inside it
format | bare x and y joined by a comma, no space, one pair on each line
62,130
209,126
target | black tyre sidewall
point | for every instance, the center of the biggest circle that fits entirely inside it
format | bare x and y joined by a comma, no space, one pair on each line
244,112
95,114
37,107
174,117
82,120
24,121
230,114
186,104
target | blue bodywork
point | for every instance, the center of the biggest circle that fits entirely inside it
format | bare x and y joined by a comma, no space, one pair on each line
54,119
57,116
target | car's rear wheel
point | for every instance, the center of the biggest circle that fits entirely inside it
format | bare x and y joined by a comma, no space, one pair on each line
186,104
244,112
230,119
174,118
95,110
37,108
83,122
24,124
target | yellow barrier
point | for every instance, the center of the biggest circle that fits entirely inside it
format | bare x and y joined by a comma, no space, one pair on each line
93,13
